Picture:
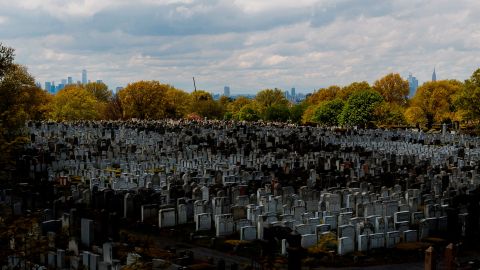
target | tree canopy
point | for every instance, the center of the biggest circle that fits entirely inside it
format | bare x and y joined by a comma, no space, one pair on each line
360,107
393,88
433,102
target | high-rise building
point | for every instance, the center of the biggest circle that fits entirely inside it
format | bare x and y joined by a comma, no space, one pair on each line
99,81
226,91
70,80
48,86
434,76
52,88
84,76
64,81
412,85
292,93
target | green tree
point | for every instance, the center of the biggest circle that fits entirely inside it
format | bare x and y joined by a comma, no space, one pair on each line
360,107
237,104
393,88
468,98
278,113
249,112
296,112
328,112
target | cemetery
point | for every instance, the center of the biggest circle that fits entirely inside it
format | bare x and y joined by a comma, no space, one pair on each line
125,194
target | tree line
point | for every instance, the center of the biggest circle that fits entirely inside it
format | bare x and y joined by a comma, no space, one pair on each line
384,103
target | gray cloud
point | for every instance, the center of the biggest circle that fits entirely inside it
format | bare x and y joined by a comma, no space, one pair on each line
248,45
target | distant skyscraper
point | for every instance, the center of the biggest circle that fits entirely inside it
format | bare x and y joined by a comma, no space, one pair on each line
434,76
84,76
70,80
64,81
412,84
292,93
99,81
48,86
226,91
52,88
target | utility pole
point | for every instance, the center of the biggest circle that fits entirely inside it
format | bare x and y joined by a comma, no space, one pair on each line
194,86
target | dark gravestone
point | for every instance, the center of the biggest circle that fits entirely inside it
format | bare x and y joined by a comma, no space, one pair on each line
51,226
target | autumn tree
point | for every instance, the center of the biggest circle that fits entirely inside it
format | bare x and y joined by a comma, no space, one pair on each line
99,90
323,94
20,99
354,87
202,103
360,107
178,103
7,56
468,98
390,114
144,100
393,89
268,97
113,108
75,103
433,102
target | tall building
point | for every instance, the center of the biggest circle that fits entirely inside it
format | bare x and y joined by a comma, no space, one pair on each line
292,93
99,81
84,76
64,81
412,84
70,80
434,76
48,86
226,91
52,88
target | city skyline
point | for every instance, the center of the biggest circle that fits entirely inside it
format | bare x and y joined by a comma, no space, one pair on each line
250,45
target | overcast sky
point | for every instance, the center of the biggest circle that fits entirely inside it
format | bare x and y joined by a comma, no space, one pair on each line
246,44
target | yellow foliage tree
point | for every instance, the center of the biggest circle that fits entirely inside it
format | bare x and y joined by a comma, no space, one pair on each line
202,103
433,102
323,94
99,90
348,90
144,100
75,103
393,88
177,103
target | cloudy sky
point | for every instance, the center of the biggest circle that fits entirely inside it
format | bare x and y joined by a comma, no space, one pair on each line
246,44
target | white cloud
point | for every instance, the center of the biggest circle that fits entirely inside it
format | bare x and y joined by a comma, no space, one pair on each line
247,44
